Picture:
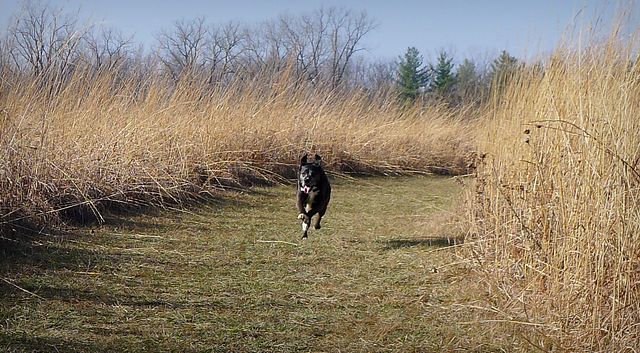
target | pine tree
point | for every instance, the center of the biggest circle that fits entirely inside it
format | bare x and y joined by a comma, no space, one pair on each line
412,75
503,68
443,76
468,86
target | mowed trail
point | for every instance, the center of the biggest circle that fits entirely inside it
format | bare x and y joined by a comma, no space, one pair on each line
234,276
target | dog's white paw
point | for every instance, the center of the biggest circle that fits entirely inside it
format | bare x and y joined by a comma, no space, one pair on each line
301,216
305,226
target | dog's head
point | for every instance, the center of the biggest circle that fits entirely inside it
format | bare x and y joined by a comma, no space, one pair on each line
310,173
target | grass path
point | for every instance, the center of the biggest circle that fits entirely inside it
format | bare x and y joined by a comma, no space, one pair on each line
233,276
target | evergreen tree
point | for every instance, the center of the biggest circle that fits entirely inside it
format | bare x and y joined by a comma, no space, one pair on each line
503,68
412,75
443,76
468,86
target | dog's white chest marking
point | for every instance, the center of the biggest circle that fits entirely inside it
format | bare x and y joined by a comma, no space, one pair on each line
310,197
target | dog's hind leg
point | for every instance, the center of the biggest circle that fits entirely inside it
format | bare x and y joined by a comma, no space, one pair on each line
323,209
320,214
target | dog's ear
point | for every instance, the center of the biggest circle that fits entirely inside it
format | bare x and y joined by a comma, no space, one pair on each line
303,160
317,159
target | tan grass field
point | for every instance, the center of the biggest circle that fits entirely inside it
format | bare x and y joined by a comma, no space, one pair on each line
106,142
555,208
553,213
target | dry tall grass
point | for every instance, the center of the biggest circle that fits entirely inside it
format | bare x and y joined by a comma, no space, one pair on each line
106,141
556,208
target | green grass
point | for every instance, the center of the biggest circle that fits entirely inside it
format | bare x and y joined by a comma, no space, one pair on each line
377,277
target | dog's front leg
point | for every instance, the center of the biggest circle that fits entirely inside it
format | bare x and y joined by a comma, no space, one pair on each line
306,222
302,200
303,215
305,226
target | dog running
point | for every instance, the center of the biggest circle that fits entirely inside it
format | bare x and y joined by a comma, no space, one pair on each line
313,192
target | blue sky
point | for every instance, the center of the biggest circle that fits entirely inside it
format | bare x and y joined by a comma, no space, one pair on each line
465,28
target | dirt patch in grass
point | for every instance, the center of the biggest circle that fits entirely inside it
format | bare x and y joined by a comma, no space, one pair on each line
233,276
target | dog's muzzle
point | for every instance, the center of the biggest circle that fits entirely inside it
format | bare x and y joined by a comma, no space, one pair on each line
305,189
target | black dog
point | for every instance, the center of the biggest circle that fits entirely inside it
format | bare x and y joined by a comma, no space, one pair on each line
314,192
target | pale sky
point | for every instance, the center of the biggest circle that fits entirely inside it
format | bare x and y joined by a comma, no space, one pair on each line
465,28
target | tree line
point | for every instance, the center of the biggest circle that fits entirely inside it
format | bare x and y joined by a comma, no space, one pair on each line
443,81
323,48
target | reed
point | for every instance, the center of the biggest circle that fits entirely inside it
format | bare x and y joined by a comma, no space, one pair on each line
102,141
555,210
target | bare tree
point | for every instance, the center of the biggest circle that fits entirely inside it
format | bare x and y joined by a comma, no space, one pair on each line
380,74
44,40
325,41
226,45
4,57
107,47
183,49
306,42
346,31
266,47
321,45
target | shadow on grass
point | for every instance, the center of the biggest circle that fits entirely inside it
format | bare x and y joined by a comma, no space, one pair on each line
108,297
27,255
32,253
117,214
23,342
440,242
28,343
48,248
